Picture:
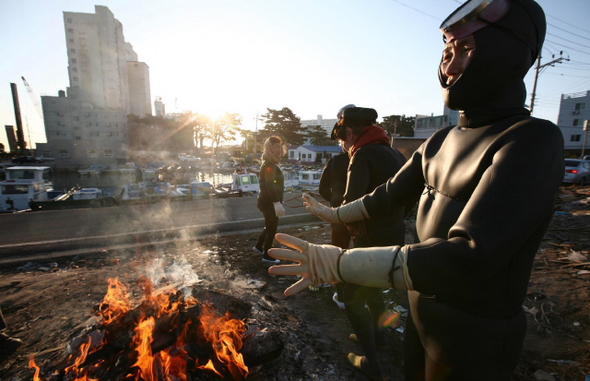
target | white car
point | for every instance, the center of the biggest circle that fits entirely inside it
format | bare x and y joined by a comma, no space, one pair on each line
577,171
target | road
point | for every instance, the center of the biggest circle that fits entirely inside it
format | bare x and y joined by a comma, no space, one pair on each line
34,233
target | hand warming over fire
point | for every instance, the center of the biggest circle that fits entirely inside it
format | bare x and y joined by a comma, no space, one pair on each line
317,263
351,212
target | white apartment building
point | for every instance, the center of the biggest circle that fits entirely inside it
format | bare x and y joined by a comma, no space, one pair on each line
107,83
425,125
574,109
138,74
326,124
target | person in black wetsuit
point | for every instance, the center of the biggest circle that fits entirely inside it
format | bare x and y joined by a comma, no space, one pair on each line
486,191
270,196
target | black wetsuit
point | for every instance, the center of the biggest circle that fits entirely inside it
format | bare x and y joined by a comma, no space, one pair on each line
487,188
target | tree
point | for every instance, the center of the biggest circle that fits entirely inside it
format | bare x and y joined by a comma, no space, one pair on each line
159,134
319,137
399,124
285,124
224,129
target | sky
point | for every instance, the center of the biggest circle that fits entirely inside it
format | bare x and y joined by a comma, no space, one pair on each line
312,56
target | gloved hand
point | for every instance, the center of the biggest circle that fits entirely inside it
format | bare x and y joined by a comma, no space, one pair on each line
381,267
314,207
351,212
317,263
279,209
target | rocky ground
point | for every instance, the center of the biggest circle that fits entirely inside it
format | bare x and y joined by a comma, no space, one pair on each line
47,303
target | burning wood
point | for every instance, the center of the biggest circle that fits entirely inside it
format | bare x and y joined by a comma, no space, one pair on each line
165,337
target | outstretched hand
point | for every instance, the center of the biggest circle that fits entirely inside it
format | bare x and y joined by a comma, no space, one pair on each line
317,263
318,209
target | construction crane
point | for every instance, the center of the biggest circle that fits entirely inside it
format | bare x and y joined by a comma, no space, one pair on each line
33,98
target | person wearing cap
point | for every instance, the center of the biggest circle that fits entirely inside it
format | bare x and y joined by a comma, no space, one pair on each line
332,187
486,191
270,196
372,162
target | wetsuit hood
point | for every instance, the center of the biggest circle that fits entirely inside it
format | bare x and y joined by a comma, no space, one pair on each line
504,52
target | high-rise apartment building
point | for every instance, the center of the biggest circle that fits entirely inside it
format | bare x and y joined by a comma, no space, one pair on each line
107,83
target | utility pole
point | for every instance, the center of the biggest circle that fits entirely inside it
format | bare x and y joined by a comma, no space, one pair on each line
538,70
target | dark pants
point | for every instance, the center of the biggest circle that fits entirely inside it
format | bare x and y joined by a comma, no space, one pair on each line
340,235
271,222
2,321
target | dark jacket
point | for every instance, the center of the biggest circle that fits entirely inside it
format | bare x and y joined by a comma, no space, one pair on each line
371,166
333,181
272,184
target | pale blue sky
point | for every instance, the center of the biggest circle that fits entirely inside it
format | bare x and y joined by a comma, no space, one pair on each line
312,56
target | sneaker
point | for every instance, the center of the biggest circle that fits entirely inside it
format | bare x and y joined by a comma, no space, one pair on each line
256,249
360,364
338,302
269,260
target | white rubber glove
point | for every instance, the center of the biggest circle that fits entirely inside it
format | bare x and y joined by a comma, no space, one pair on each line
317,263
279,209
351,212
381,267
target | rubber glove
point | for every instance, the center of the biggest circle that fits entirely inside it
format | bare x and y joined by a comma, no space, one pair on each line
279,209
381,267
317,263
351,212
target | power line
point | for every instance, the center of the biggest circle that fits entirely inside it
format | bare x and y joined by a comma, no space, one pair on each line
567,31
569,47
565,22
565,39
417,10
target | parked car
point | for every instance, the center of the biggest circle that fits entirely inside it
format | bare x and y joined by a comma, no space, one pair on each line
25,160
577,171
44,158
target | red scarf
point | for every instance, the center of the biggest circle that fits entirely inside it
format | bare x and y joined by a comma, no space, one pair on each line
369,135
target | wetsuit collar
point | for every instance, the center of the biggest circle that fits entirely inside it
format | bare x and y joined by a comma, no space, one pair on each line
478,117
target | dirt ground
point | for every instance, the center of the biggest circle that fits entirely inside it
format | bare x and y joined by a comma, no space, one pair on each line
48,303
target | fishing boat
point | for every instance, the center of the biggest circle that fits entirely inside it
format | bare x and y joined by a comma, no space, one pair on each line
23,185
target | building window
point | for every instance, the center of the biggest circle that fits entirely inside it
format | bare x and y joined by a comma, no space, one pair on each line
63,153
71,40
580,106
109,134
91,153
108,153
74,60
576,122
73,50
75,78
78,138
70,30
575,138
77,128
75,70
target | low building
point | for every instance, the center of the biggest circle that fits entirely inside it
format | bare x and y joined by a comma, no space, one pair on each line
308,154
572,114
425,126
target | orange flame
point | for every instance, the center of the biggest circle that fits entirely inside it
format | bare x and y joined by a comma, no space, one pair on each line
143,341
225,335
209,366
37,369
115,303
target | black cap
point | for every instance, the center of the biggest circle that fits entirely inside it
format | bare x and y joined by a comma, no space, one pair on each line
360,114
